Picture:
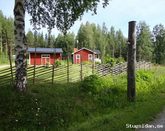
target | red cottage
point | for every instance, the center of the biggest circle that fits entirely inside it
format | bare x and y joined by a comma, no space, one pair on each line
85,54
44,55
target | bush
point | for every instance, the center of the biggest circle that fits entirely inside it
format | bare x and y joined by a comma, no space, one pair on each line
92,84
120,60
110,60
113,61
57,63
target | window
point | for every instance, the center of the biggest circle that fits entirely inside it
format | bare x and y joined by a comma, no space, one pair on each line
77,56
45,55
90,57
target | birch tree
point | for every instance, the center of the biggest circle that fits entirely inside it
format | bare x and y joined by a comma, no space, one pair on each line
20,46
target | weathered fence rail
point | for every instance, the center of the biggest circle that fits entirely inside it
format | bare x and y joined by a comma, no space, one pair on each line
106,69
60,74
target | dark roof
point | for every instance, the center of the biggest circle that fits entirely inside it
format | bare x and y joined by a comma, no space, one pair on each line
93,51
45,50
97,51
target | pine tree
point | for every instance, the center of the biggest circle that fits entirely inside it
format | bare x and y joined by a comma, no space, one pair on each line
144,42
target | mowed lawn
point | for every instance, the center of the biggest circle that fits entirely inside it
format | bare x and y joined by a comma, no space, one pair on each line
44,74
95,104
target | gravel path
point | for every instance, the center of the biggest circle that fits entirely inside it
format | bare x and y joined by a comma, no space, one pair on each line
159,120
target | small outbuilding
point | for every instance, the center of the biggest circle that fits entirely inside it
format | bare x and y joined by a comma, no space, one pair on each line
44,56
84,54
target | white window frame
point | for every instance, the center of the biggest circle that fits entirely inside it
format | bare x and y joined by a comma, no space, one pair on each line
90,57
45,55
77,56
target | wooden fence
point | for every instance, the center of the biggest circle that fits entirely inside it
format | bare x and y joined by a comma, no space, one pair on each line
106,69
67,73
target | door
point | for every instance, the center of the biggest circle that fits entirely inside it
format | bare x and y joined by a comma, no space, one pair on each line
45,59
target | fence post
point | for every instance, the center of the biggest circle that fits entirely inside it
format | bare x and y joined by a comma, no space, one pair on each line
93,64
53,74
34,71
54,55
68,69
131,83
81,68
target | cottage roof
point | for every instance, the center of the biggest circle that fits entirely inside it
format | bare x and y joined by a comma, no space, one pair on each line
93,51
45,50
97,51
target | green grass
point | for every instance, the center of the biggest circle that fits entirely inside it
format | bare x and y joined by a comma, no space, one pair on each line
44,74
68,107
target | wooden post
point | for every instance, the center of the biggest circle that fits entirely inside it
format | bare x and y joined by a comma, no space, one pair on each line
93,64
68,68
53,66
81,68
131,83
34,71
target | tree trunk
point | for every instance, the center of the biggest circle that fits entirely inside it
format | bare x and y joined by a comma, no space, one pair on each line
1,44
20,46
113,51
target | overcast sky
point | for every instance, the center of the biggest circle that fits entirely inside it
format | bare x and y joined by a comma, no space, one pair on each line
117,14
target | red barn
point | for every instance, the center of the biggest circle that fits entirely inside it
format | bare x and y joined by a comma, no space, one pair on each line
44,55
84,54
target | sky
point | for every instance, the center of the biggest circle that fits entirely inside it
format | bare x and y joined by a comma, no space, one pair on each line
117,14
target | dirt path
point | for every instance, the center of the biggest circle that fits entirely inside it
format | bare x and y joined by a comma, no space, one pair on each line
159,121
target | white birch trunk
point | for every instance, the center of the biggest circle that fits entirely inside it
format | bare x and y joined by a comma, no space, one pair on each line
20,46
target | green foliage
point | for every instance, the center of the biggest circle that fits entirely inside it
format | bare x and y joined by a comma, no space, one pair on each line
120,60
144,42
65,42
30,38
144,76
110,60
92,84
70,107
57,63
6,34
113,61
61,14
159,44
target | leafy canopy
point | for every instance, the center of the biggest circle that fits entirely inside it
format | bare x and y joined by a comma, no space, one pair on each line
60,13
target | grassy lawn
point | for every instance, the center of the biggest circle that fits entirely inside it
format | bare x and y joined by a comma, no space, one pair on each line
95,104
44,74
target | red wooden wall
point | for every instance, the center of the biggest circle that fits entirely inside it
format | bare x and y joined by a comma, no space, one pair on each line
39,61
84,56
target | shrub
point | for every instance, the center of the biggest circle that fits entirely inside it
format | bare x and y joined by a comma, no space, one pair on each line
120,60
110,60
113,61
92,84
57,63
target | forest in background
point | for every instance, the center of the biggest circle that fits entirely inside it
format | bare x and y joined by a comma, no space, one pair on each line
111,42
